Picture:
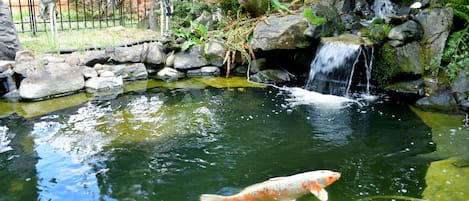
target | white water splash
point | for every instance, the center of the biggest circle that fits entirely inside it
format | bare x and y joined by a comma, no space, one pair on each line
299,96
4,140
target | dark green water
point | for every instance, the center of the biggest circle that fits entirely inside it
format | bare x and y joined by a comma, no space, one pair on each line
173,145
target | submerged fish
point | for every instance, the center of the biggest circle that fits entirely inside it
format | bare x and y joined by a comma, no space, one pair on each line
283,188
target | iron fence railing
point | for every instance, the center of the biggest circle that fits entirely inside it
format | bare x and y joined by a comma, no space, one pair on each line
78,14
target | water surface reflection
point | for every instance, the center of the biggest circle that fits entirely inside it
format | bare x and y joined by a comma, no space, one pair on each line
177,144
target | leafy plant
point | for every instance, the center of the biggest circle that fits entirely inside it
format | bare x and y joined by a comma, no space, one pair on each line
309,14
198,34
456,52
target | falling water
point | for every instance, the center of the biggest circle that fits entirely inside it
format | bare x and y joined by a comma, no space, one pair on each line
383,8
332,69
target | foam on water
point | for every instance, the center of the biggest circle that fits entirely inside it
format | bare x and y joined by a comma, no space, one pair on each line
300,96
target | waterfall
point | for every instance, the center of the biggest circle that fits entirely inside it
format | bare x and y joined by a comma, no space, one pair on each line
332,68
383,8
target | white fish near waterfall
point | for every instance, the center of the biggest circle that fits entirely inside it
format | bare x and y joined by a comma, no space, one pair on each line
284,188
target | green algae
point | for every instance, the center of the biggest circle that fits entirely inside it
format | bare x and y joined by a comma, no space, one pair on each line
231,82
447,179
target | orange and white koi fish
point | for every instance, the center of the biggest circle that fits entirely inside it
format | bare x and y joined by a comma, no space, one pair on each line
283,188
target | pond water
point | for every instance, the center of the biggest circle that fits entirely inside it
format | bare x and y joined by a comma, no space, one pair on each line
175,144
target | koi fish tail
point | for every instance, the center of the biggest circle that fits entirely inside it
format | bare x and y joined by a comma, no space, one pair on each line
211,197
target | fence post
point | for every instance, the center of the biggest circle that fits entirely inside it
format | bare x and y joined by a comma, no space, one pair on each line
32,17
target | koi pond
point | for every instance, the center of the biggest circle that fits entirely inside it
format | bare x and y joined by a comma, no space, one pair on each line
175,144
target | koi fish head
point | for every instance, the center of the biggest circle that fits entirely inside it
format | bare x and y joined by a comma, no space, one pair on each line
327,177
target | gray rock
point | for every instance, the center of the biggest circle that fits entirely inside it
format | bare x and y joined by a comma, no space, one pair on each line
9,42
134,71
407,91
192,58
362,8
106,73
50,80
92,58
155,54
169,59
24,56
73,59
272,76
257,65
282,32
436,24
215,53
46,59
26,67
95,84
441,101
132,54
169,74
88,72
6,65
206,71
409,31
240,70
8,81
460,86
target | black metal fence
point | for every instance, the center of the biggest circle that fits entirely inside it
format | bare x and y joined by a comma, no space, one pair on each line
78,14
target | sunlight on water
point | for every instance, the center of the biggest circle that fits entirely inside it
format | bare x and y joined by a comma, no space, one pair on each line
4,140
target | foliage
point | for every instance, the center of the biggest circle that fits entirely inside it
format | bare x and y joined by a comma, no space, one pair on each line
198,34
186,11
309,14
237,35
456,52
378,31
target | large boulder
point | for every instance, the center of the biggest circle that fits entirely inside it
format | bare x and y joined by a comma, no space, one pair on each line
192,58
408,31
215,53
132,71
395,62
50,80
9,42
282,32
91,58
436,24
97,84
134,54
155,54
169,74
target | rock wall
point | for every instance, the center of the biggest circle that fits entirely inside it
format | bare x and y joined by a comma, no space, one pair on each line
9,42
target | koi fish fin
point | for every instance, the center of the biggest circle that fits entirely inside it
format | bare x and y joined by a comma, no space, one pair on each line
211,197
321,194
319,191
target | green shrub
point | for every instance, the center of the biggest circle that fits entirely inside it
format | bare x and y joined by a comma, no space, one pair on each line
309,14
456,52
